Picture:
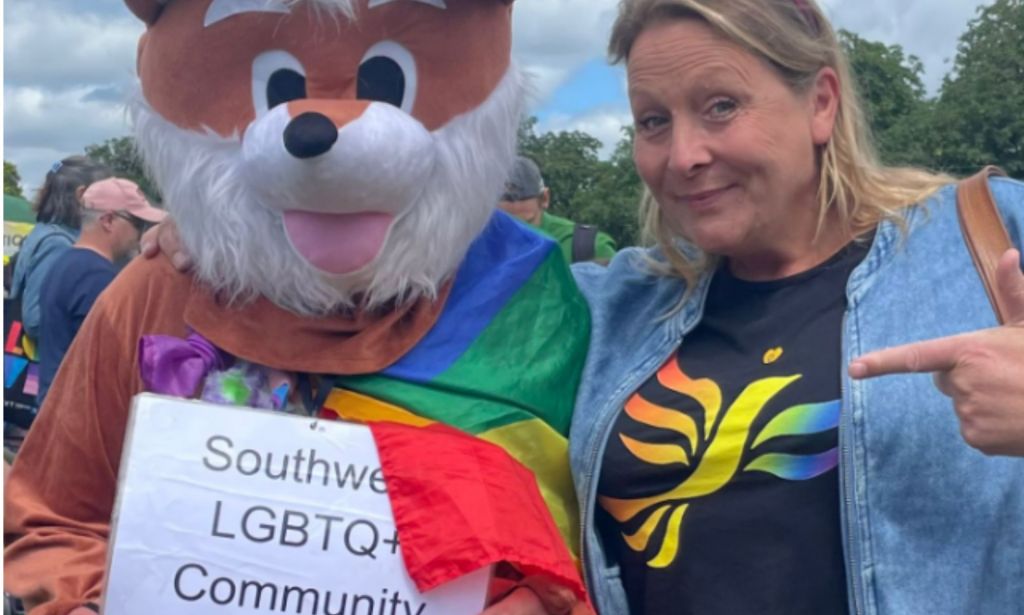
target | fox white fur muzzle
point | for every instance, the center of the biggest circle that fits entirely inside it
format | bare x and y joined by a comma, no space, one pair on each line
260,221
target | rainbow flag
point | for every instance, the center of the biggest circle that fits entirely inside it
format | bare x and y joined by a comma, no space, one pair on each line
502,363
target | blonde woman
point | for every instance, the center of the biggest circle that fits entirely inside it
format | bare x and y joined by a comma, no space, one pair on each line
726,461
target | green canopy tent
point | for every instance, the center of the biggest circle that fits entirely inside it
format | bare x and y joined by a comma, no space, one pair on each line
17,209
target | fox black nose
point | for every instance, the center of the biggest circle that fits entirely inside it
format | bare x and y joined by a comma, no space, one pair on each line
310,134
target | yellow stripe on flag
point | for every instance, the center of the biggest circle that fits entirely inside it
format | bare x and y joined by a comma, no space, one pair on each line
352,406
534,443
546,453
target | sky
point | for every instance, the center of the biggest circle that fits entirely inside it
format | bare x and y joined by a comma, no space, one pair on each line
69,65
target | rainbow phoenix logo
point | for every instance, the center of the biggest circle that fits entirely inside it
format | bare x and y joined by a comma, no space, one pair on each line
712,450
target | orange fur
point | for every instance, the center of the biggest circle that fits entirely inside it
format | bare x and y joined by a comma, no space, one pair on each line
197,76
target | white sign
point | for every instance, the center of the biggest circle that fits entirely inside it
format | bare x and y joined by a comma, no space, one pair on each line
225,510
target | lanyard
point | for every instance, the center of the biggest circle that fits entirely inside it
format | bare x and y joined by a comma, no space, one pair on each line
314,402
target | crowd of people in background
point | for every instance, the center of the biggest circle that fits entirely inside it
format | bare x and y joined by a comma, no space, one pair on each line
114,215
88,225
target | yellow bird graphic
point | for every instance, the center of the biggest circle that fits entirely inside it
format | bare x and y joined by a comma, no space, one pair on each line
716,448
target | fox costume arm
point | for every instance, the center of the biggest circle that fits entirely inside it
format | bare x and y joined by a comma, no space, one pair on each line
61,490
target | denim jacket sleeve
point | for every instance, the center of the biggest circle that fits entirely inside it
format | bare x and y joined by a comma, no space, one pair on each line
41,262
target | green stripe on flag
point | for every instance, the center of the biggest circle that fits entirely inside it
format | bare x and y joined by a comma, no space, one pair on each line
526,364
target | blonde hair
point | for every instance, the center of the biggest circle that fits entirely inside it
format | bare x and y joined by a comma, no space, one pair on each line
794,38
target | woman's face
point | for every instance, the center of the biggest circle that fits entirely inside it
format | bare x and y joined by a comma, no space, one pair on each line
725,146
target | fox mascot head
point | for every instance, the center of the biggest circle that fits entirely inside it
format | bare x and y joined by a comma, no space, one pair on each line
327,154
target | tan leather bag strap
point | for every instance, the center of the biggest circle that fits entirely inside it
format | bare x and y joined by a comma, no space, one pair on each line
983,230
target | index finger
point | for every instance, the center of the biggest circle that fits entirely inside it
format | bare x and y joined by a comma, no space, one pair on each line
936,355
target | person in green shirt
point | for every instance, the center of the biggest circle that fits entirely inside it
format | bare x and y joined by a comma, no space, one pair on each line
527,198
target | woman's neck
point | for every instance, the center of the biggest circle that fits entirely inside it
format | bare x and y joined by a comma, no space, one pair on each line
803,250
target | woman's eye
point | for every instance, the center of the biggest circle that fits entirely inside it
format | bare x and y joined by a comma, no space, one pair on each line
388,74
722,108
650,123
277,77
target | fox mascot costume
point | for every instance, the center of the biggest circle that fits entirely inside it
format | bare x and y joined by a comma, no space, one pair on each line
333,168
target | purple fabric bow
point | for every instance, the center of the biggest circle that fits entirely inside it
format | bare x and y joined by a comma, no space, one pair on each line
174,366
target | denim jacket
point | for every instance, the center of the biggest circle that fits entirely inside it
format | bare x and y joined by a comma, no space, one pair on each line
38,253
929,524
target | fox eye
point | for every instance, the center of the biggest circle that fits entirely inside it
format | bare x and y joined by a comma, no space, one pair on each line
277,77
285,84
388,74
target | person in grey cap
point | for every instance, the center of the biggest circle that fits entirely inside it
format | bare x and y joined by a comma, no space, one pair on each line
527,198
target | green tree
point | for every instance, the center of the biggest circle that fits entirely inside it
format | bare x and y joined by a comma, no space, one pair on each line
890,85
612,201
583,187
12,180
123,158
567,159
981,104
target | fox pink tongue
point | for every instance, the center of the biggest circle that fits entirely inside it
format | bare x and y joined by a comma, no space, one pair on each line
337,243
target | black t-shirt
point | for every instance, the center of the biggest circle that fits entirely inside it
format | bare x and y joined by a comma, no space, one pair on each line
719,492
77,278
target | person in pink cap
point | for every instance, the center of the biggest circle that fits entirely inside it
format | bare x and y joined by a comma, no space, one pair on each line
114,215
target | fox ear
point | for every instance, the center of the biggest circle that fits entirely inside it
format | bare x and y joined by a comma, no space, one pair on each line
146,10
149,10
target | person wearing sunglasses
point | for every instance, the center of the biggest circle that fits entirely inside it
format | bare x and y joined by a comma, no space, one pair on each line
114,215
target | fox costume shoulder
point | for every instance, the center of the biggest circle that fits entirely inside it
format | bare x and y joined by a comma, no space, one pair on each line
333,167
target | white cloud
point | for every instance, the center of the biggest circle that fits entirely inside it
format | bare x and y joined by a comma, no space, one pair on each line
67,60
59,119
604,124
54,47
42,127
67,68
554,37
928,29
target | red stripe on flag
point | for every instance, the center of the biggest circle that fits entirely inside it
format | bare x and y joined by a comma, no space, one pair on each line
461,503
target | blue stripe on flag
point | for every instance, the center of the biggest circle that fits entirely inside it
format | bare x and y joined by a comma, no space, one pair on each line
497,265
